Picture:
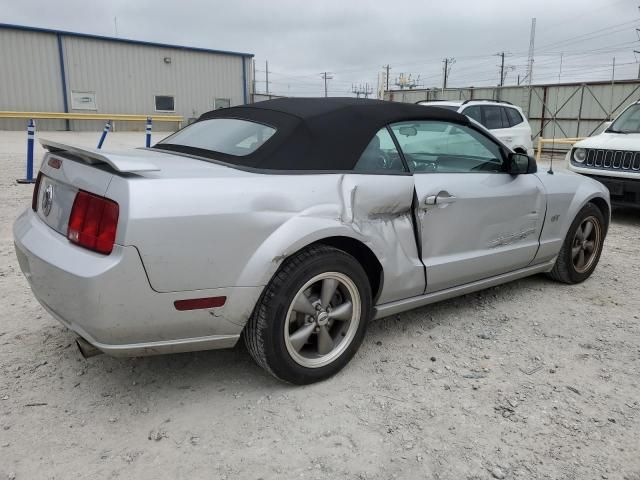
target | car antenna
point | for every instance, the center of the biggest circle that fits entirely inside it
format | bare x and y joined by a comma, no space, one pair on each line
555,121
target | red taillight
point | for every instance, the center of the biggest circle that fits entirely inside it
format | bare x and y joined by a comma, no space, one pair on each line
36,190
93,222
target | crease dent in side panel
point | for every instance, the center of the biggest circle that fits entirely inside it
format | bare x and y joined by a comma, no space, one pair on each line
380,210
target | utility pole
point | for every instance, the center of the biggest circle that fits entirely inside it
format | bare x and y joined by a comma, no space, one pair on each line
387,68
326,76
253,76
529,77
613,76
266,75
532,41
448,62
501,54
365,90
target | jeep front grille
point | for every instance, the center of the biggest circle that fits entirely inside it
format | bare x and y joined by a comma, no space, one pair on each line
611,160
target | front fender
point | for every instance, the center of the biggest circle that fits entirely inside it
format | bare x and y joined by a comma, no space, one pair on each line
567,194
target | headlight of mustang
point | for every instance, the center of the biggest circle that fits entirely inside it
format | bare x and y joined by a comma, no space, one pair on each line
580,155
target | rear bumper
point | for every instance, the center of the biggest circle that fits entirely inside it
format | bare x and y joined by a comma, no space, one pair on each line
108,301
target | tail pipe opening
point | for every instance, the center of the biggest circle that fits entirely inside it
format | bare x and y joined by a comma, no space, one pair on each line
86,349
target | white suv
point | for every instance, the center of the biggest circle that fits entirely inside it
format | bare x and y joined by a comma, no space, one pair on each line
613,157
505,120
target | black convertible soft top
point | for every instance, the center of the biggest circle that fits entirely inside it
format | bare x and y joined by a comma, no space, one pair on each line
325,134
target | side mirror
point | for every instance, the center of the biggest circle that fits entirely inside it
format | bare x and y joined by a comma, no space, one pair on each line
408,131
518,163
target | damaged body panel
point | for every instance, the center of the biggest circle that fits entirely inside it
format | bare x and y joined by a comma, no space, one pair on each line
495,219
182,246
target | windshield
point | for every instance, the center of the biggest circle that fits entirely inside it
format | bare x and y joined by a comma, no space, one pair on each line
230,136
628,121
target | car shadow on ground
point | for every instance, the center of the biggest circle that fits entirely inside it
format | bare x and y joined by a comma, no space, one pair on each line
219,369
626,216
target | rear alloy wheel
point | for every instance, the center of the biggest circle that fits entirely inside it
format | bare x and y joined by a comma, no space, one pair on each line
322,320
582,247
312,316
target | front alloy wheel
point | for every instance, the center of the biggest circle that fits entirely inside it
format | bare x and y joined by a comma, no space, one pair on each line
582,246
585,242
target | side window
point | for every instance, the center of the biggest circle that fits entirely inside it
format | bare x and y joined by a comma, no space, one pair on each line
474,112
492,117
443,147
165,103
514,116
380,156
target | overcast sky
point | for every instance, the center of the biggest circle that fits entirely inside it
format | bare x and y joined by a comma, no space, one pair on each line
353,39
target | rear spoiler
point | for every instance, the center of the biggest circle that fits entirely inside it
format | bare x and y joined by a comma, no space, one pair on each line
121,162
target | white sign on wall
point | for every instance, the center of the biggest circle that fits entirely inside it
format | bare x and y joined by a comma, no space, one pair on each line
83,100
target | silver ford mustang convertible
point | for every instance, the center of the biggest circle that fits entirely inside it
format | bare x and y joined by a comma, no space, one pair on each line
293,223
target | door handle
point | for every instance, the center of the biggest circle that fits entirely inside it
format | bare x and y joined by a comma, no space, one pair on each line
442,198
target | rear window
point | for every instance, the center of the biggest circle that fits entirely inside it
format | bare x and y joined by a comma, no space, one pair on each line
230,136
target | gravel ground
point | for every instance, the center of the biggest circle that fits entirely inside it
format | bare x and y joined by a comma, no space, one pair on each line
530,380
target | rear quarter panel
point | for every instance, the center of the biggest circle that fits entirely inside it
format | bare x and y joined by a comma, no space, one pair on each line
203,233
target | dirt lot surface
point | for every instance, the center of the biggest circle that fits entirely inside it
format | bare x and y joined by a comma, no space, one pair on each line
530,380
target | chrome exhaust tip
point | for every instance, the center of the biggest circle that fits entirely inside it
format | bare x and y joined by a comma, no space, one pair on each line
86,349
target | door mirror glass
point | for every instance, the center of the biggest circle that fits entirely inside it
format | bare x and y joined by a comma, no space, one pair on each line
521,163
408,131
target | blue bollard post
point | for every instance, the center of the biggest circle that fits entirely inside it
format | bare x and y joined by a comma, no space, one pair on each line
107,127
31,134
148,128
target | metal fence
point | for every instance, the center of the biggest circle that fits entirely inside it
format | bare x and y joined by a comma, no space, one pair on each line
554,110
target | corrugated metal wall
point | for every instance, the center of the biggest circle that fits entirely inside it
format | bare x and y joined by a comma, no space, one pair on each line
124,76
29,77
564,110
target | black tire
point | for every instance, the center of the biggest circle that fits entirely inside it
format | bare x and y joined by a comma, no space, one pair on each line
264,333
564,269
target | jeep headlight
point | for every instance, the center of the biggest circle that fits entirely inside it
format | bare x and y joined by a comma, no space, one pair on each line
580,155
